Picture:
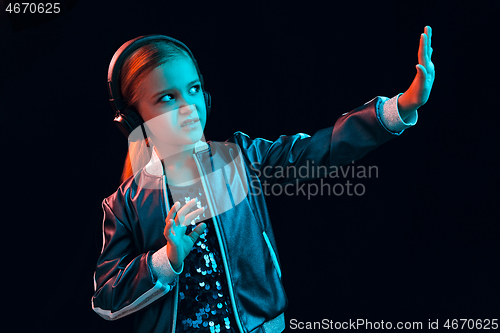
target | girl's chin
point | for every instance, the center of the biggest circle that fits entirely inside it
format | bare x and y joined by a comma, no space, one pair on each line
193,136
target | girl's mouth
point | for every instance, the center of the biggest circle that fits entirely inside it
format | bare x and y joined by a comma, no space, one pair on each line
190,123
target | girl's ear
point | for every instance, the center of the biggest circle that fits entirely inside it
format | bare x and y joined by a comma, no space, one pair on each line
208,102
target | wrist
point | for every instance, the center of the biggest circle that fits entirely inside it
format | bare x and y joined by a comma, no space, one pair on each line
162,269
405,106
173,258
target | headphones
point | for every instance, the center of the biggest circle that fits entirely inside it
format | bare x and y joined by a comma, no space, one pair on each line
127,118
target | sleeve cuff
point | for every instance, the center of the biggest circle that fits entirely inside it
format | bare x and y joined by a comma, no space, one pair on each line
388,115
162,269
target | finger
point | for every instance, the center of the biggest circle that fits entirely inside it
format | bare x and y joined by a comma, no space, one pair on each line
428,32
421,50
181,213
175,207
195,234
168,227
423,55
191,216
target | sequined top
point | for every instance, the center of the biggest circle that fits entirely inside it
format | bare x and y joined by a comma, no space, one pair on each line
204,302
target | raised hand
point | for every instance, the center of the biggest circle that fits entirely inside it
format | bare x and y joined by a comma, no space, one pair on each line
420,89
178,243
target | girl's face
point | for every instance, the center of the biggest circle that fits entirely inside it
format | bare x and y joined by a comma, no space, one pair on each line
171,103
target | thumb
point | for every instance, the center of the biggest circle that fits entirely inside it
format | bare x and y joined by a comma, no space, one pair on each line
421,71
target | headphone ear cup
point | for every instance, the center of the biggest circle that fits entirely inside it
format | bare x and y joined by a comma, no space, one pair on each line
128,120
208,102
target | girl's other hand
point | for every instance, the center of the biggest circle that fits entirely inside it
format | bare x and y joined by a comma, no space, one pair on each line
420,89
178,243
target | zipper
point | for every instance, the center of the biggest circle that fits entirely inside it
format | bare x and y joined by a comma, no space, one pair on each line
219,238
176,288
176,300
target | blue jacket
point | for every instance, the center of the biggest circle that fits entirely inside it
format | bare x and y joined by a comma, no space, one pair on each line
134,219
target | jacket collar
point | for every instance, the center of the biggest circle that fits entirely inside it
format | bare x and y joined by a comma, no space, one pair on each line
154,166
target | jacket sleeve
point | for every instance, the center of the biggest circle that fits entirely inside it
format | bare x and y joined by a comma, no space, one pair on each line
126,281
292,158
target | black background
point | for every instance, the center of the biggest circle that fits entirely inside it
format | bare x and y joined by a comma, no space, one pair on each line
420,244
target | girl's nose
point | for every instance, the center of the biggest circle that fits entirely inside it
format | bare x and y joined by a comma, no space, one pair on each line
187,109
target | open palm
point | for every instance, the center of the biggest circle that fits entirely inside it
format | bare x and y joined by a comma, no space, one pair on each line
178,243
420,89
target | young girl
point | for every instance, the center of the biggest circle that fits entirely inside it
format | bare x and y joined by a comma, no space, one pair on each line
187,240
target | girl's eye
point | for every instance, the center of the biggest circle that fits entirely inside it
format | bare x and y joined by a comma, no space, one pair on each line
195,89
169,97
166,98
